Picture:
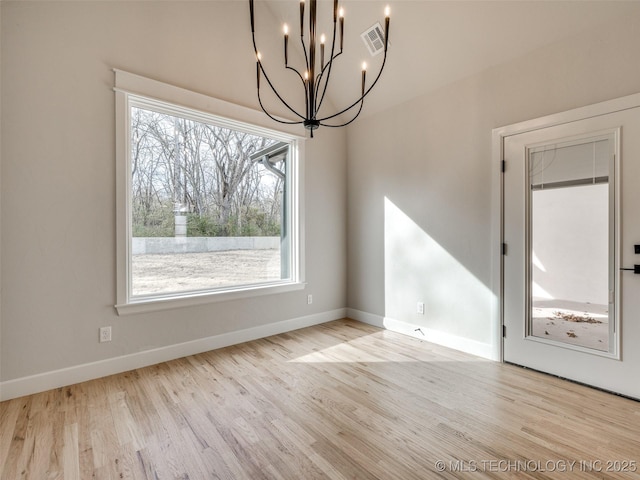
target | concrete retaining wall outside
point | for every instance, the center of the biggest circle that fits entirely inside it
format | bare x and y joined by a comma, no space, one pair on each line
146,245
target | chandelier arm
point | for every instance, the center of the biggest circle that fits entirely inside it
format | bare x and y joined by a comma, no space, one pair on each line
304,50
255,50
297,72
287,122
304,85
346,123
327,68
273,89
252,18
306,94
363,95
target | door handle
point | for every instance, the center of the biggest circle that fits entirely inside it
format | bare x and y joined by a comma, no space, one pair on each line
635,269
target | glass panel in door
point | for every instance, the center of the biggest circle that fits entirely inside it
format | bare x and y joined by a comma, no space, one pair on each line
570,233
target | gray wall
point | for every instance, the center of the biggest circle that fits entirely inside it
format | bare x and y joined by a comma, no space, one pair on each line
58,182
151,245
421,180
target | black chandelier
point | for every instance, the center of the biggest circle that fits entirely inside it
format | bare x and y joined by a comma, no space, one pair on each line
314,80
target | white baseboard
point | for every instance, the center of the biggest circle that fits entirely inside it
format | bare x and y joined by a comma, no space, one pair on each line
89,371
484,350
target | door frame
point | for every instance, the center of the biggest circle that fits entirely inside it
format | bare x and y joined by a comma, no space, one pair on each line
498,137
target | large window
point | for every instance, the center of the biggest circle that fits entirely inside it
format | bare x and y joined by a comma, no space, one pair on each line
210,205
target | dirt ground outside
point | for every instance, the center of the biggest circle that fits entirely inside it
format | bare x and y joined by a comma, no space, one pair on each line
172,273
586,327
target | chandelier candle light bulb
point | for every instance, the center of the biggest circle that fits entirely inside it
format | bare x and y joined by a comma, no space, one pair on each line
315,81
258,58
387,13
286,44
341,28
364,75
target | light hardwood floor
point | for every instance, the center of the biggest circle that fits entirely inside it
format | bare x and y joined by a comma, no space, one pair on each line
341,400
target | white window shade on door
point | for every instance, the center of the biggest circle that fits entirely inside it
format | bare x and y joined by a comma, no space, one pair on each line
564,164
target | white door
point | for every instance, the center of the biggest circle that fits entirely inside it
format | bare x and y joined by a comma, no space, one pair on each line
570,201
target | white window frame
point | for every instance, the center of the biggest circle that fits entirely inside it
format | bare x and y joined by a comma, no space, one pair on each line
135,89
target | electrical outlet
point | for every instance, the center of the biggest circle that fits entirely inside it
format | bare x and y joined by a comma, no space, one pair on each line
309,299
105,334
420,308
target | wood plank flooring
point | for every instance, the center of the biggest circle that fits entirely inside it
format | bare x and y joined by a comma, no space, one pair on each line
341,400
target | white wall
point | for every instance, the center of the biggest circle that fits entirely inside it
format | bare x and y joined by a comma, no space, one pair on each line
421,182
58,182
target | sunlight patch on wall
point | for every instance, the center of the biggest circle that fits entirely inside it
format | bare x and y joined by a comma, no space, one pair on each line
537,292
419,269
536,262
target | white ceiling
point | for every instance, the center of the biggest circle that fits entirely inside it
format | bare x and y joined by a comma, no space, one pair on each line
434,43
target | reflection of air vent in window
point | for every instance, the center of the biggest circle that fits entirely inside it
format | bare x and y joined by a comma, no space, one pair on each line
373,38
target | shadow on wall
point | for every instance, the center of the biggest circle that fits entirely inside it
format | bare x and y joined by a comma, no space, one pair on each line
571,244
419,270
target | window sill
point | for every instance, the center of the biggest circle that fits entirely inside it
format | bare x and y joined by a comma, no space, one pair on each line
154,304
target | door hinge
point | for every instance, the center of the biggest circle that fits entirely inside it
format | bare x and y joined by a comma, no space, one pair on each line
503,166
504,331
504,248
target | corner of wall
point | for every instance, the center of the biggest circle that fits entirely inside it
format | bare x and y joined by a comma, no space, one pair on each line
472,347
